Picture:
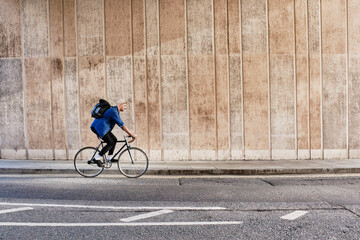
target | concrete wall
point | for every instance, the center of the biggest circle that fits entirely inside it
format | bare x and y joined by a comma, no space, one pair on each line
205,79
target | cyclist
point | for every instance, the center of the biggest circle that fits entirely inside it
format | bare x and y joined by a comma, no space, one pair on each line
103,126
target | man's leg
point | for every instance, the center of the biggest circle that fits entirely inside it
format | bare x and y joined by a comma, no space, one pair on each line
110,139
114,139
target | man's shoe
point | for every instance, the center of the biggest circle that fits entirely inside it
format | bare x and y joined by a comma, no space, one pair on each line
97,162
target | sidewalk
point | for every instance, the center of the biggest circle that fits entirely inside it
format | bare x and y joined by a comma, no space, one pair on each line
244,167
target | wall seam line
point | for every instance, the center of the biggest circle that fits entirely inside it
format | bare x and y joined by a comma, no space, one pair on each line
146,81
347,81
160,85
23,69
268,75
308,77
215,84
132,67
51,82
64,83
187,80
228,76
242,81
295,83
321,83
78,73
104,50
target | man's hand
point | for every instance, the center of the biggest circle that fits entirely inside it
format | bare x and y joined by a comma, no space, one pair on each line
134,137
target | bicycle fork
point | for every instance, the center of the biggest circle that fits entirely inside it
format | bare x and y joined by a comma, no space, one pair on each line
128,149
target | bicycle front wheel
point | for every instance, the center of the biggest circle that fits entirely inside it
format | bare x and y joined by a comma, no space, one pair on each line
83,164
133,162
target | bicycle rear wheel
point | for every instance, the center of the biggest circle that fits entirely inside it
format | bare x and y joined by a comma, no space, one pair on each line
83,165
133,162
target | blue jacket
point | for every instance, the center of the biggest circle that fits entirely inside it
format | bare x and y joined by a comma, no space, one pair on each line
105,124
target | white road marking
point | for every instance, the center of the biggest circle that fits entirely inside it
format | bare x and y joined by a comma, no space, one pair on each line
114,207
34,224
15,210
146,215
294,215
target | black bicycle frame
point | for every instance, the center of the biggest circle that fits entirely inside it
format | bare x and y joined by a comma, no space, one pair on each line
126,144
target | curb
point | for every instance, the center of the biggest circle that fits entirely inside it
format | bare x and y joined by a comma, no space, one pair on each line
195,172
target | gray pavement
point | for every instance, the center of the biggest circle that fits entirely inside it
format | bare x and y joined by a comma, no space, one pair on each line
231,167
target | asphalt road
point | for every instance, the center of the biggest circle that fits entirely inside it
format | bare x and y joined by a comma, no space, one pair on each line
113,207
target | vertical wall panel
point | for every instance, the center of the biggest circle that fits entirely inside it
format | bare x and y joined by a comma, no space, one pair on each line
254,31
72,106
173,80
153,78
57,62
35,28
281,32
172,27
118,27
281,25
119,86
92,88
354,105
254,44
234,26
69,28
12,142
139,74
90,29
56,28
334,105
118,69
38,107
10,29
236,117
302,105
334,78
354,77
282,106
201,79
221,78
256,106
354,26
302,88
333,27
90,20
315,81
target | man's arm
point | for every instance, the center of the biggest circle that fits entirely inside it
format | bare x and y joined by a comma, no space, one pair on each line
134,136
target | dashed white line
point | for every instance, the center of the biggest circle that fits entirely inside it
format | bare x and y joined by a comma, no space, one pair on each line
146,215
294,215
15,210
106,224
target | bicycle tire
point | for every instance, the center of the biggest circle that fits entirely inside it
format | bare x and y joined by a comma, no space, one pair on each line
135,168
82,165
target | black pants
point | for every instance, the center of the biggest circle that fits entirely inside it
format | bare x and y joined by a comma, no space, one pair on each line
111,140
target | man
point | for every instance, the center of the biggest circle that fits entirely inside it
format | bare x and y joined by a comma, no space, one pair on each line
103,126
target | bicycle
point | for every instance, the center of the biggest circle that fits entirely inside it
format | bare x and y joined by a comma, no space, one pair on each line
132,161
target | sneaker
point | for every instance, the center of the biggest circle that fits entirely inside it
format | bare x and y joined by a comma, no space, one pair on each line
98,162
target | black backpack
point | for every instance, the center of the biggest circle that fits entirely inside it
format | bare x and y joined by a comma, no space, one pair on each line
100,108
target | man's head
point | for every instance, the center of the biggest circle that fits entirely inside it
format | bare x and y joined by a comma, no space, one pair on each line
122,106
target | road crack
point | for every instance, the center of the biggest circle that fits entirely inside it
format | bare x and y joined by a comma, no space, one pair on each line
268,182
351,211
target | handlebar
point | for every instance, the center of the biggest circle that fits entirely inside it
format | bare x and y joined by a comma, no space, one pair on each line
132,138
